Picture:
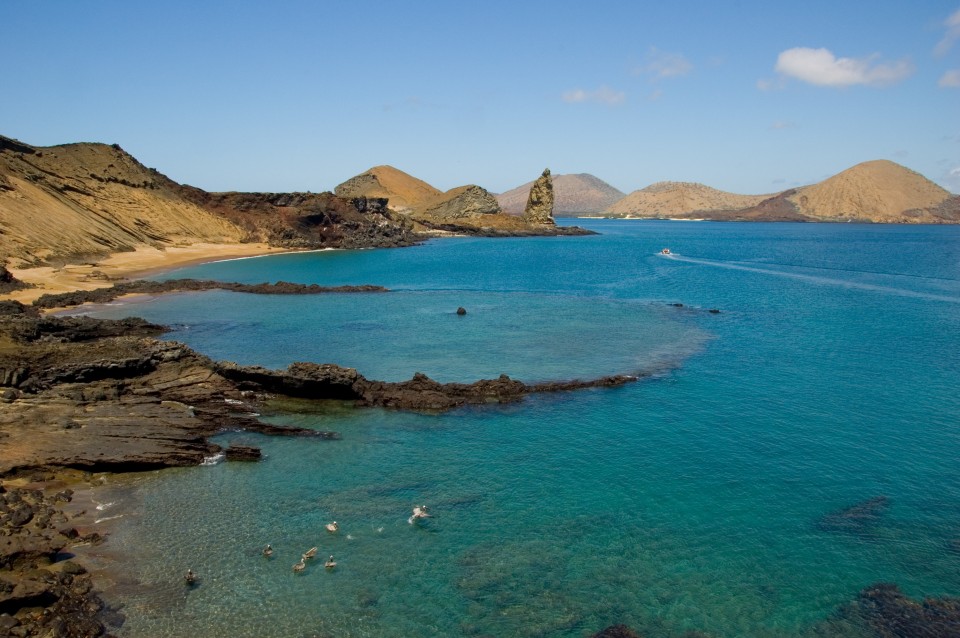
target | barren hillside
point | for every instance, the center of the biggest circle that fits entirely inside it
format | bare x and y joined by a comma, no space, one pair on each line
679,200
80,200
877,191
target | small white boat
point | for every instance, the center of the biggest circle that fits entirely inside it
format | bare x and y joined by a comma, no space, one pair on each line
665,251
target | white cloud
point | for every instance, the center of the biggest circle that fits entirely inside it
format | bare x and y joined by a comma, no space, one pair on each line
660,64
603,95
823,68
952,35
950,79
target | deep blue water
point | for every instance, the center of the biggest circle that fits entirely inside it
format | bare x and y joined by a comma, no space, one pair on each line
690,500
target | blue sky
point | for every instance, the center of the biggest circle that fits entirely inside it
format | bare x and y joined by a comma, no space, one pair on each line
746,96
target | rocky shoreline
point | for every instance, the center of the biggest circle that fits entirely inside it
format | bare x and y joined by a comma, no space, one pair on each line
93,395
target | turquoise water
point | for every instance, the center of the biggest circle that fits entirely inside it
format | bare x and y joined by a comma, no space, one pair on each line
688,501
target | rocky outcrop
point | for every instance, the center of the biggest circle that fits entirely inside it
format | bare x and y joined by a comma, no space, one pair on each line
420,393
458,204
9,283
42,591
111,401
539,209
309,220
140,286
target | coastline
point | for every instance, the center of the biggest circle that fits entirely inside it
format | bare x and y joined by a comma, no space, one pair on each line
143,262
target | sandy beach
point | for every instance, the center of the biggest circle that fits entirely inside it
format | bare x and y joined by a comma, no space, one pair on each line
141,262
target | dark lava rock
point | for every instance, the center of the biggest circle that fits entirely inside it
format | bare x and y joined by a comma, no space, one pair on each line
9,283
141,286
888,613
243,453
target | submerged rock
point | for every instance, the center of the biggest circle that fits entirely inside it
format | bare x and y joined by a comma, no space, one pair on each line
858,519
616,631
884,611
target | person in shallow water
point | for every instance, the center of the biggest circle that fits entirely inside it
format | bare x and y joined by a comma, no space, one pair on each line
420,511
190,577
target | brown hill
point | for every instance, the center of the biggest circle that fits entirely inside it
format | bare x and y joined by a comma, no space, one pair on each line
680,200
574,194
877,191
404,192
92,199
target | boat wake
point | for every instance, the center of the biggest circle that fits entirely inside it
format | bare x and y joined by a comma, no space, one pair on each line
890,290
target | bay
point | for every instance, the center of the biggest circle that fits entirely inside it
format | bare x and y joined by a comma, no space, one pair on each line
698,499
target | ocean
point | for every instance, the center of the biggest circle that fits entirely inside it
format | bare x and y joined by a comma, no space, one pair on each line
711,496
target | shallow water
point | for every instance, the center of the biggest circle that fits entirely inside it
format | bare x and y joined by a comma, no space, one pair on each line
687,501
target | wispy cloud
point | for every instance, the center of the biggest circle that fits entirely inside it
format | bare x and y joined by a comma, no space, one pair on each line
780,125
602,95
822,68
658,65
950,79
951,36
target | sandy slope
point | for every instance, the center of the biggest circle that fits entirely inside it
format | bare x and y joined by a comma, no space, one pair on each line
92,199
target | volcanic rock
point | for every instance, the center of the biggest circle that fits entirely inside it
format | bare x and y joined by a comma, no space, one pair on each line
539,209
457,204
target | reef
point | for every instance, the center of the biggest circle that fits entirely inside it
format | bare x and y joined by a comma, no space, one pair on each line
146,287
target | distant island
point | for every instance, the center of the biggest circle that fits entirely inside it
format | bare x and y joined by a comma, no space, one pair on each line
878,191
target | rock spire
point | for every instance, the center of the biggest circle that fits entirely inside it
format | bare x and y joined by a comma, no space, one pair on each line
539,208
